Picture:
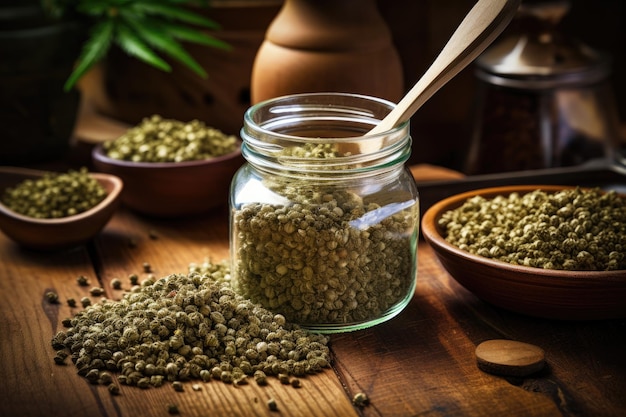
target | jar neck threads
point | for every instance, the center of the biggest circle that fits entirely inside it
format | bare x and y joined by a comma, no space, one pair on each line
323,135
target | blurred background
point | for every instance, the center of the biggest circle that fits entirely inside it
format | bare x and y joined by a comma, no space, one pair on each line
125,90
442,128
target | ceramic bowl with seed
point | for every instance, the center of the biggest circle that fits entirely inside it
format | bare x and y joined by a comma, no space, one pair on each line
57,233
172,189
546,293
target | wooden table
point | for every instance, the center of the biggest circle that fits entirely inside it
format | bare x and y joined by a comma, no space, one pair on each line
419,364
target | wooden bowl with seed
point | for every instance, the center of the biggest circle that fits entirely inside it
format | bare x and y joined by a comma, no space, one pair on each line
172,189
57,233
538,292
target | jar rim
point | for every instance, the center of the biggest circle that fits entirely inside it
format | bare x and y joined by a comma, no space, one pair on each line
323,134
273,102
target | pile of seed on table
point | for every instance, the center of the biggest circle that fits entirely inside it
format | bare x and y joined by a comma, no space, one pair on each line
156,139
184,327
325,255
573,229
55,195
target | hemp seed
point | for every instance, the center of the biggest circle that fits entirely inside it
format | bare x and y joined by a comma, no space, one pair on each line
572,229
96,291
52,297
156,139
272,405
114,389
360,399
134,279
182,327
55,195
355,269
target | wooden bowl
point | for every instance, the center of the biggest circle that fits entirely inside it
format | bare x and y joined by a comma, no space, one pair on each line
50,234
172,189
553,294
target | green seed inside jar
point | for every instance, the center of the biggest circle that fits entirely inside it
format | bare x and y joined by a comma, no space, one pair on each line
326,256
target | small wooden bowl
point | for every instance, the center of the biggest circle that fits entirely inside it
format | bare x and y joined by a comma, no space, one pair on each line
172,189
553,294
51,234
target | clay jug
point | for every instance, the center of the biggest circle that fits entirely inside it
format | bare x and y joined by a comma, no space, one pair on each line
327,46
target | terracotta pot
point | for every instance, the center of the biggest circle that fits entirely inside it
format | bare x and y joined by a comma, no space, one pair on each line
327,46
127,90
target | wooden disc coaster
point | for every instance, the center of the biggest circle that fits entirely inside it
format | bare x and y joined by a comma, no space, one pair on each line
509,357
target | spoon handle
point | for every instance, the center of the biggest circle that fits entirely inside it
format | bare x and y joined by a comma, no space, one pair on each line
484,22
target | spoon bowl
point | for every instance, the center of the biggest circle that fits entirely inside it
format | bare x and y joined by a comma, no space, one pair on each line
57,233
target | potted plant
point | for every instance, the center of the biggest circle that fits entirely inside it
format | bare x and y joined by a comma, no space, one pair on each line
124,89
141,28
50,44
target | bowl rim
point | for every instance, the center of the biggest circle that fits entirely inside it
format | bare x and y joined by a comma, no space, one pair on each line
99,155
100,177
432,233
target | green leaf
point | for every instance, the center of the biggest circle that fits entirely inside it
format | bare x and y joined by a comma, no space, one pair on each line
95,7
163,42
142,28
190,35
133,45
174,12
197,3
54,8
94,49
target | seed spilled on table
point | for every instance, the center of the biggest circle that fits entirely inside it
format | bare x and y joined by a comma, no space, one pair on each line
181,327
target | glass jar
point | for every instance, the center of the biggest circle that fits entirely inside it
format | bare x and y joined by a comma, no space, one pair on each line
324,219
543,98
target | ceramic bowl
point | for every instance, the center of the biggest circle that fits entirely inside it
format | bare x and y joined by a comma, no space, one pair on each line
553,294
48,234
172,189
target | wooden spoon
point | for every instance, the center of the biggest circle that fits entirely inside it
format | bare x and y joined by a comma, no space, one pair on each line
481,26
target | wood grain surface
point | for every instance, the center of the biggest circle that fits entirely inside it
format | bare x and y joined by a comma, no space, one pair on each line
421,363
